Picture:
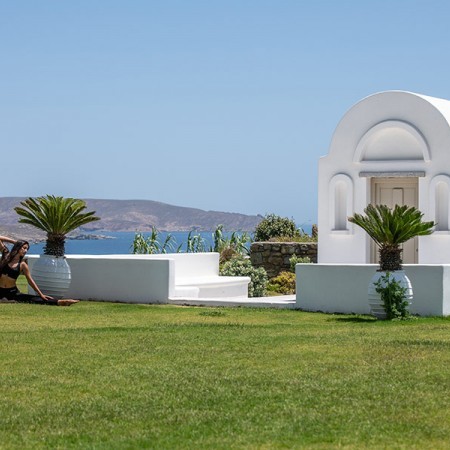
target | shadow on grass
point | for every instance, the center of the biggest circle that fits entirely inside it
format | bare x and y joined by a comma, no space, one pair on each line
355,319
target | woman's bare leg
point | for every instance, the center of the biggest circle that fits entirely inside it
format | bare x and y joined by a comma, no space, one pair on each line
67,302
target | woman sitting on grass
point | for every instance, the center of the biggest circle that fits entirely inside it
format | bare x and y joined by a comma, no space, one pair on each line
11,266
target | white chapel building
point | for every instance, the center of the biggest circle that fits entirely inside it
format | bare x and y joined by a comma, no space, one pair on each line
390,148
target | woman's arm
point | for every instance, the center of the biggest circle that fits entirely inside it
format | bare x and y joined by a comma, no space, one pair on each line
26,271
5,239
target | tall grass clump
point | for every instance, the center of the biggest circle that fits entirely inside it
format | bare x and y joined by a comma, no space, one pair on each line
153,243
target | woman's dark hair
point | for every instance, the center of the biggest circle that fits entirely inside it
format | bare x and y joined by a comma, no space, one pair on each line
8,255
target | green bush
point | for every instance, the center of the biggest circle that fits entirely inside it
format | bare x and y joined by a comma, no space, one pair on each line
284,283
242,267
393,295
273,226
294,259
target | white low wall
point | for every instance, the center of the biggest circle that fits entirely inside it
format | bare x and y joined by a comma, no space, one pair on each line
187,265
149,278
125,278
342,288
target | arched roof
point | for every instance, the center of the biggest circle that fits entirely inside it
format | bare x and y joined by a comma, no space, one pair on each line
442,105
393,125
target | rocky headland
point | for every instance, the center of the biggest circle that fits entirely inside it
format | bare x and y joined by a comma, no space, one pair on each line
130,215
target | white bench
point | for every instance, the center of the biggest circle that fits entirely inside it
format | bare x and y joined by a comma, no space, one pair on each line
150,278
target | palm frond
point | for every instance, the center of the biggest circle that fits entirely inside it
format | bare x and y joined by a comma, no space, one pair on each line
57,216
395,226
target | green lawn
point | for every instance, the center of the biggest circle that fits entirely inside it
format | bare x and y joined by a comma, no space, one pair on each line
117,376
22,284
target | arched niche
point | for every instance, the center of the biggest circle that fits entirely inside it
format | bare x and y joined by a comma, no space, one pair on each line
440,202
392,140
340,202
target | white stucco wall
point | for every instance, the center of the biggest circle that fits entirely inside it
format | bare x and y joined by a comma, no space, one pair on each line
387,132
342,288
135,278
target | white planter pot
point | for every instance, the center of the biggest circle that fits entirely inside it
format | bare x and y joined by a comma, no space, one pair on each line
52,275
375,302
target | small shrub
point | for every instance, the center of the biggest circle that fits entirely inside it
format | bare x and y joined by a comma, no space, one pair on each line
273,226
227,254
284,283
241,267
294,259
393,295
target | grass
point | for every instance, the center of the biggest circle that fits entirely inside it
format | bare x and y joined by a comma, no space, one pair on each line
22,284
117,376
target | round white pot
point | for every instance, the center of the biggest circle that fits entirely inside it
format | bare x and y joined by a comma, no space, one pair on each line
375,302
52,275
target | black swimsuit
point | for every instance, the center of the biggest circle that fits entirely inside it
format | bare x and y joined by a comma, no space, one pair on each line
13,293
10,272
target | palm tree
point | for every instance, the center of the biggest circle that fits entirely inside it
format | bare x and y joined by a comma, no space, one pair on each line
57,216
390,228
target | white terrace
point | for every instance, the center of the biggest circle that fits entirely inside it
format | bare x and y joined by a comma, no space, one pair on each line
177,278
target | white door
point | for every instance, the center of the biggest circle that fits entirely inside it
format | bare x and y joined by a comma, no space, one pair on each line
391,192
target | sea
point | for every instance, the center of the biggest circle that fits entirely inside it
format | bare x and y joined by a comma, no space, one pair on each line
117,243
121,243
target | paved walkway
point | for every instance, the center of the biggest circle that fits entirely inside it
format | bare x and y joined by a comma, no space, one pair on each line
282,301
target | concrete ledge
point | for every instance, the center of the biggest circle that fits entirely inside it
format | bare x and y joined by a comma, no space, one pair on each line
218,286
150,278
342,288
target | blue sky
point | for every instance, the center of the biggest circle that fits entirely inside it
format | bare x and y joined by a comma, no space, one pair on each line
218,105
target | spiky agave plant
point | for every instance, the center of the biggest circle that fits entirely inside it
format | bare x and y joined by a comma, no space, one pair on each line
57,216
389,228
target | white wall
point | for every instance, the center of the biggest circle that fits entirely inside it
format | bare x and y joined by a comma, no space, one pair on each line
342,288
134,278
128,279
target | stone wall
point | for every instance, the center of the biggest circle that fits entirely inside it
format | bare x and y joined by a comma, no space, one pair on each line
274,256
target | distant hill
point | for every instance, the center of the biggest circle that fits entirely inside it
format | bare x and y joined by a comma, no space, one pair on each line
136,215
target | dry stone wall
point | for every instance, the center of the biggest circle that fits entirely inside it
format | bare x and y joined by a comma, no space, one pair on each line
274,256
